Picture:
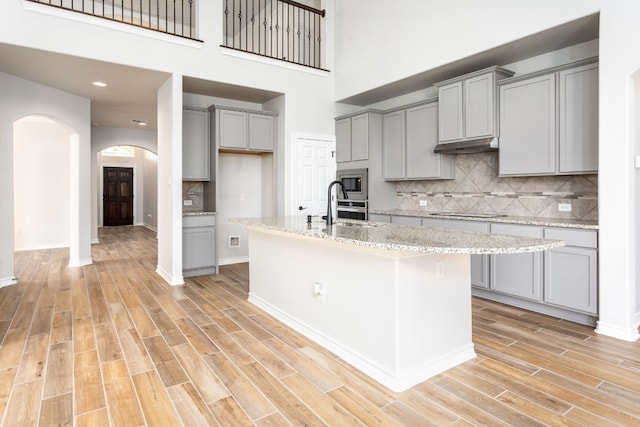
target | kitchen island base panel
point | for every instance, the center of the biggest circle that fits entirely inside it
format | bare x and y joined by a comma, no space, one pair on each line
399,317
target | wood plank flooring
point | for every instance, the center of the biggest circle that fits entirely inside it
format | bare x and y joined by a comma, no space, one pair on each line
110,344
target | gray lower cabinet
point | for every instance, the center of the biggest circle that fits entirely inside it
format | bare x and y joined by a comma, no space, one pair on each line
571,272
479,263
195,144
379,218
517,274
407,220
199,245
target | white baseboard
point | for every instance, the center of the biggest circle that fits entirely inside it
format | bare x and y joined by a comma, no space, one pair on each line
80,262
150,227
95,241
7,281
626,334
50,246
236,260
173,281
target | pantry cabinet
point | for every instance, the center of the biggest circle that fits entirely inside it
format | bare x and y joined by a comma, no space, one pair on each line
409,136
549,122
467,105
195,144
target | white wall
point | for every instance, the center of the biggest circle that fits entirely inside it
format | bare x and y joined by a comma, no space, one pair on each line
379,42
150,186
21,98
239,195
41,184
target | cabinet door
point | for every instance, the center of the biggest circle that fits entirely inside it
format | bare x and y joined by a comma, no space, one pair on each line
528,127
578,121
479,263
450,120
421,139
479,110
198,247
261,132
232,128
517,274
571,278
195,145
343,140
393,143
360,137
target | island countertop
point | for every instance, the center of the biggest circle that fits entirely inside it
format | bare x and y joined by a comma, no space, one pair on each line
404,238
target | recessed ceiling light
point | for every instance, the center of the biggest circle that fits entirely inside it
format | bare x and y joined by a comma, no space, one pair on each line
99,84
139,122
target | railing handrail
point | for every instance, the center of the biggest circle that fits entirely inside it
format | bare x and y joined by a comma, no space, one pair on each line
305,7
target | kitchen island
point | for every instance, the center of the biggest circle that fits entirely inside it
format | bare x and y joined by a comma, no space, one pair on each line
394,301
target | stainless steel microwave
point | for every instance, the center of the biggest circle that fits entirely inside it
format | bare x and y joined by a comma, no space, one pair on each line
354,182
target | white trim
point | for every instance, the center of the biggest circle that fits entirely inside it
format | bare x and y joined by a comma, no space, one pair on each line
80,262
626,334
151,227
272,61
173,281
236,260
95,241
49,246
7,281
109,24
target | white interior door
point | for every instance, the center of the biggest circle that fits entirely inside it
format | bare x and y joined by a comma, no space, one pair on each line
315,169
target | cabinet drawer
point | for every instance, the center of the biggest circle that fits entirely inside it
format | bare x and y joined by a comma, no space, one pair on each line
481,227
516,230
198,221
408,220
583,238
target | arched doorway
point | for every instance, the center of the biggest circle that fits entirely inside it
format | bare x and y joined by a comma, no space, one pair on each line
143,165
42,183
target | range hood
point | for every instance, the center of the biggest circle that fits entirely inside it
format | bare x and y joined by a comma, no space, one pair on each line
467,147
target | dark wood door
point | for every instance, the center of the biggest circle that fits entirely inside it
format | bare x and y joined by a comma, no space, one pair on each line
118,196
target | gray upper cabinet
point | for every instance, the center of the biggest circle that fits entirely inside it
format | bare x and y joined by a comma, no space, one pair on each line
528,126
578,116
409,136
245,130
195,144
549,122
352,137
467,107
393,145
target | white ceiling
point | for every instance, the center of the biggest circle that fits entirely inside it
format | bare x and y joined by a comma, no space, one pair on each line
132,92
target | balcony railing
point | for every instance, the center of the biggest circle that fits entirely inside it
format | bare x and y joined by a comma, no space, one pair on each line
280,29
175,17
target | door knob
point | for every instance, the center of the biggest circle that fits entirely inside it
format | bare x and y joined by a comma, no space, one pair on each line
301,208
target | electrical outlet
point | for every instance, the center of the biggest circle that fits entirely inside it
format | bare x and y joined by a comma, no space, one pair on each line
318,291
243,197
187,202
564,207
423,203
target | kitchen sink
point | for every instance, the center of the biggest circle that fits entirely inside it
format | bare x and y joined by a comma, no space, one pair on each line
470,215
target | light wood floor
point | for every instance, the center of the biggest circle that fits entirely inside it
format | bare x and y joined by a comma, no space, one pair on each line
112,344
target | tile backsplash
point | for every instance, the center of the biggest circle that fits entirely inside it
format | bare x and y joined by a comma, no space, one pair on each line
194,191
477,188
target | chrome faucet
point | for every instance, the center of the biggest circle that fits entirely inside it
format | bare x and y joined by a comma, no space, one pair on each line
329,210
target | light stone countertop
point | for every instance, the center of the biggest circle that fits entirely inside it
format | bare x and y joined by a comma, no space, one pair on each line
521,220
405,238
